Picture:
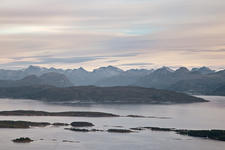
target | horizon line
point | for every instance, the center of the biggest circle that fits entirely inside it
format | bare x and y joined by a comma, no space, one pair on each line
190,68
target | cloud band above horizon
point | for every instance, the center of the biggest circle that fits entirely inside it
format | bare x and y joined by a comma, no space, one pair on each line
125,33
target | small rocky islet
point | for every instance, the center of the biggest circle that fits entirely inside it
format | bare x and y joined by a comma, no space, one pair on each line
84,130
208,134
82,126
22,140
119,130
29,124
60,124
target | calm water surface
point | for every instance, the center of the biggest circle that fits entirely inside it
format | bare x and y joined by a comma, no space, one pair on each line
187,116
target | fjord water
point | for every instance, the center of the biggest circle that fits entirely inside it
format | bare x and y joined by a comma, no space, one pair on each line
183,116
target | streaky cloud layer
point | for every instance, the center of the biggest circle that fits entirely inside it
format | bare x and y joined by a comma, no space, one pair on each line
93,33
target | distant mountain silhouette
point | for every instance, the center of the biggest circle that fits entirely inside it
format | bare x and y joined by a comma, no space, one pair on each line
125,78
203,70
219,91
51,78
201,80
200,84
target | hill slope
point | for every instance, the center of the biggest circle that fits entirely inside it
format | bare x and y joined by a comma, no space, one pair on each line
89,94
219,91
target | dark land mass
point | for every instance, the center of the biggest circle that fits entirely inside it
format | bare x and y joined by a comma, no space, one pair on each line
22,124
209,134
82,124
70,114
22,140
67,114
92,94
77,129
139,116
119,130
60,124
83,130
159,129
98,130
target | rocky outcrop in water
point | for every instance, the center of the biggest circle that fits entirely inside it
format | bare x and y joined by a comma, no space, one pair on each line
81,124
22,140
119,130
210,134
22,124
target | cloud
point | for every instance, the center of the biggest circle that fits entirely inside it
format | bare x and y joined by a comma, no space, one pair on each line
123,54
96,32
31,57
206,50
112,61
137,64
49,59
20,63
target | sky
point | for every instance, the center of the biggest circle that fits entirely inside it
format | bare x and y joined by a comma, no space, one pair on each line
123,33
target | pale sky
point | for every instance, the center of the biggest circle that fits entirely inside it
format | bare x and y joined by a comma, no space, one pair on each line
122,33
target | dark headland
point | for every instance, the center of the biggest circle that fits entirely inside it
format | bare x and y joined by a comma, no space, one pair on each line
92,94
65,114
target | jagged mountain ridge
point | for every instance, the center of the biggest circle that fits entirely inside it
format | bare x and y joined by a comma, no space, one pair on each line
77,76
197,80
51,78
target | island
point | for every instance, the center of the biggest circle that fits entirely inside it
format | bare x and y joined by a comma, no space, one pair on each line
102,95
84,130
119,130
214,134
22,140
210,134
82,124
65,114
22,124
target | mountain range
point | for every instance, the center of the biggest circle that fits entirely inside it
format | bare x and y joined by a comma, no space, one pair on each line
201,80
51,78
